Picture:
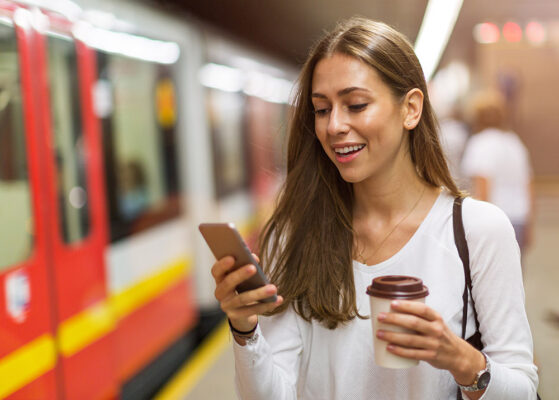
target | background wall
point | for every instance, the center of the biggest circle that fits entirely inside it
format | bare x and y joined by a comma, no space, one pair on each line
530,75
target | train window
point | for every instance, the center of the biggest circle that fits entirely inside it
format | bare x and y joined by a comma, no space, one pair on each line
229,142
135,101
16,220
70,151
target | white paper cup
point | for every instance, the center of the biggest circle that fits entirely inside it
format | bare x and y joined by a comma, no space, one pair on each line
382,292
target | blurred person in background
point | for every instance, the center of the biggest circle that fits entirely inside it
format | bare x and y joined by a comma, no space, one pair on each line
498,164
368,193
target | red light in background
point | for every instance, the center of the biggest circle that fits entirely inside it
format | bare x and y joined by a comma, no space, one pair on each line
486,32
535,32
512,32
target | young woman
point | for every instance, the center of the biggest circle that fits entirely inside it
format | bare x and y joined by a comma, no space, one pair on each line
368,193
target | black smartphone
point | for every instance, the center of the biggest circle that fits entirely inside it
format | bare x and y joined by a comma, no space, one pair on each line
224,240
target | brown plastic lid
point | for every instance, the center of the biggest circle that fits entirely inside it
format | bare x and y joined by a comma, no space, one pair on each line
397,287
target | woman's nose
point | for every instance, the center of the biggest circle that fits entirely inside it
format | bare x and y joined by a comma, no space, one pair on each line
337,123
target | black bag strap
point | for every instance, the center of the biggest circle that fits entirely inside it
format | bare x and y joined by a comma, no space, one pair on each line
462,246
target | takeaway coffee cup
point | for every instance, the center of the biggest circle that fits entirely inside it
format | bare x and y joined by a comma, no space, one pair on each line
381,292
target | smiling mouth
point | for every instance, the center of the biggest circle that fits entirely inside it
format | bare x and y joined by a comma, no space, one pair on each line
348,150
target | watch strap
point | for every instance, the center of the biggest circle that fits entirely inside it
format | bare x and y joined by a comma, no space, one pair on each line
476,385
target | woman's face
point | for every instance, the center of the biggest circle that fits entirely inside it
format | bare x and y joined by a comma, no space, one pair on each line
357,119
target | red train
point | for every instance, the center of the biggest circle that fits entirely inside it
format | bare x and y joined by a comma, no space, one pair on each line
113,147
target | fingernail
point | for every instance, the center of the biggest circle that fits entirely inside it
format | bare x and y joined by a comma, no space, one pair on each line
270,289
381,316
380,334
395,303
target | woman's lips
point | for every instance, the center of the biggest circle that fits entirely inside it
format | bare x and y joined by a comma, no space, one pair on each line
348,157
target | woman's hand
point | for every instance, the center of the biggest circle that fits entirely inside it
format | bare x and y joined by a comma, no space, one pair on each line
434,342
242,309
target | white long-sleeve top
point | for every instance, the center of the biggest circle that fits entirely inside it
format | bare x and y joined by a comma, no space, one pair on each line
295,359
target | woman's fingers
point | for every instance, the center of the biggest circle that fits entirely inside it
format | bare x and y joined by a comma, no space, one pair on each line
221,267
428,339
439,352
415,307
414,316
249,297
253,309
409,340
226,287
412,322
416,354
242,309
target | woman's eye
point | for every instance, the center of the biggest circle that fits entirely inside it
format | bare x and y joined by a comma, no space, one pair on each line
321,111
358,107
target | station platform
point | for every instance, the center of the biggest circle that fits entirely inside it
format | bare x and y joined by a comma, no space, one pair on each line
209,373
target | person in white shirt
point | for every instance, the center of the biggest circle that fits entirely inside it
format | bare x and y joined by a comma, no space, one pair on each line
498,164
368,193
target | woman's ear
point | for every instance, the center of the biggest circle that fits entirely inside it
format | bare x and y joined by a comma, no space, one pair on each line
412,108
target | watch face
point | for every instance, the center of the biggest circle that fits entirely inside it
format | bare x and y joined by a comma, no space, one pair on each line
483,380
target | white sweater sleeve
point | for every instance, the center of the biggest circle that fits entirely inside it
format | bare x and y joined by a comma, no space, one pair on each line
268,368
498,293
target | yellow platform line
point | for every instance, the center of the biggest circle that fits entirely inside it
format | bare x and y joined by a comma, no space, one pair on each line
194,369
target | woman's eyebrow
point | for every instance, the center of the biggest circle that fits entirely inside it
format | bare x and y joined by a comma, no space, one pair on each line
341,92
352,89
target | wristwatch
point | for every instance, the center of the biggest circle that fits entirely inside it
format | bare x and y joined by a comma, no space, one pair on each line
482,378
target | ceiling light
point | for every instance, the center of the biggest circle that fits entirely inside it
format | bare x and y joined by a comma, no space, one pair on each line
486,32
512,32
535,32
438,23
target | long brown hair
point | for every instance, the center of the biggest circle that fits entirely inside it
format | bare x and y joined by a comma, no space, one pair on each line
306,246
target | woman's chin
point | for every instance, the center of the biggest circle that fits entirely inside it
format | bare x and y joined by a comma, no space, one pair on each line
350,177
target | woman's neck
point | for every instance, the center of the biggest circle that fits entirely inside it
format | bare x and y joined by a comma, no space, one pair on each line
385,197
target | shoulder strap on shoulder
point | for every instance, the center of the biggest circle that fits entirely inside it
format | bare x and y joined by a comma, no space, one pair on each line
462,246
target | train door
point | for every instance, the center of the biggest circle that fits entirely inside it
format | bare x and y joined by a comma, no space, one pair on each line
28,353
78,222
79,318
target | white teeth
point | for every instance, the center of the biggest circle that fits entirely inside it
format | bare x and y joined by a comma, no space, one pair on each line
348,149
